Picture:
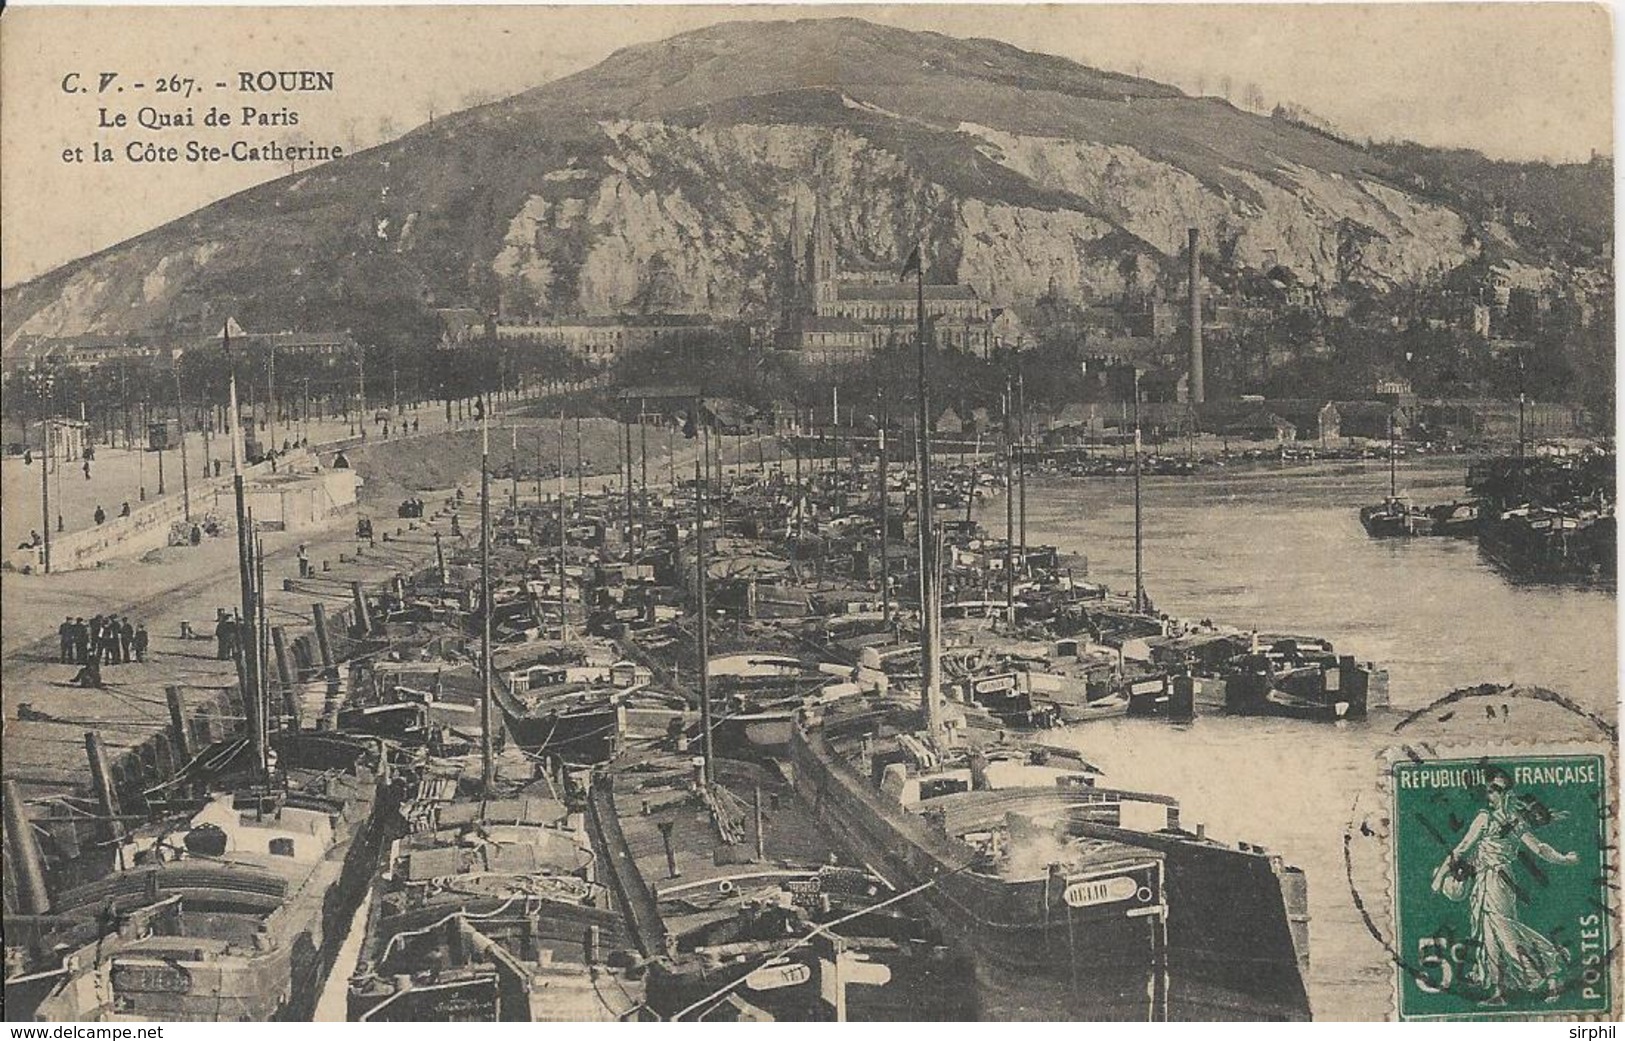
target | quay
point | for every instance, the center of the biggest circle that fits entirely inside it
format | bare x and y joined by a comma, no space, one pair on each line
643,668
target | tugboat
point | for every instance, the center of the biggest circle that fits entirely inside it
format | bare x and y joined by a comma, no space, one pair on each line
1300,679
1395,516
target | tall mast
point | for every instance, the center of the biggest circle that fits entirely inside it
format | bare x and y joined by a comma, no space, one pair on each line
1009,506
262,636
835,421
930,685
701,576
1021,454
1139,541
628,446
885,526
45,427
564,615
488,770
248,633
1393,464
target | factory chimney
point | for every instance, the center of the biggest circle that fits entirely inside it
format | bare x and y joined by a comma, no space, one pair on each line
1197,391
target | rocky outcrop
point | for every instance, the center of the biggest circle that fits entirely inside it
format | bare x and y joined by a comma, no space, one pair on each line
558,202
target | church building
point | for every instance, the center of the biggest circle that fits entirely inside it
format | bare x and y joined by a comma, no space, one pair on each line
833,313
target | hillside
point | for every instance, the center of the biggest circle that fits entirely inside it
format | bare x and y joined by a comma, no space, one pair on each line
664,179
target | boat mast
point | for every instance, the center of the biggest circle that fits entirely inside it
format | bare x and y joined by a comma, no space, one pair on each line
1393,464
1009,507
248,631
930,682
1139,535
627,431
564,616
840,448
885,527
46,426
487,767
1021,454
263,635
700,577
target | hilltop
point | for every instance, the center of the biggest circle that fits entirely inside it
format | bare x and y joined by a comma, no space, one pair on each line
664,178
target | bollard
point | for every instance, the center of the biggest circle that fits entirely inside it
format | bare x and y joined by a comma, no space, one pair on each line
178,738
101,782
163,756
318,613
671,854
23,855
363,617
284,673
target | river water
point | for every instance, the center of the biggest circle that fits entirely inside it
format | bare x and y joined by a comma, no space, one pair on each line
1282,550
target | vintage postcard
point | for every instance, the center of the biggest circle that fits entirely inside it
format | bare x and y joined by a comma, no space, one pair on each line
1062,513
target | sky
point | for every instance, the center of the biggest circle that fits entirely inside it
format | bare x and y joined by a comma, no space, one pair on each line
1519,81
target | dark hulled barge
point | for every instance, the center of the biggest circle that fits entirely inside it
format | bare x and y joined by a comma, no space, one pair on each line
1075,902
233,912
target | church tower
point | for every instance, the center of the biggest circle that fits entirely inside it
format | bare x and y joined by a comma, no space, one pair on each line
821,257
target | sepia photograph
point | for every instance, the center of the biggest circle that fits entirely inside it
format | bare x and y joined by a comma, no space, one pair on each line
798,513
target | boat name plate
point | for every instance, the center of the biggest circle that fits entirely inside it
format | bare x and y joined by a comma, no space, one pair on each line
776,976
1090,892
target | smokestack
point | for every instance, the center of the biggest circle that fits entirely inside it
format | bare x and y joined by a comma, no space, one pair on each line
1198,391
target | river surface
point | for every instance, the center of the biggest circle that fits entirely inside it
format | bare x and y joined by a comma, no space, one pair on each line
1282,550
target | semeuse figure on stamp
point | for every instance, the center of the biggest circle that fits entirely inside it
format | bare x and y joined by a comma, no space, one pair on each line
1509,954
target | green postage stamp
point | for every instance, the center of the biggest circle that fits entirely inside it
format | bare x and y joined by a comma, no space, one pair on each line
1501,886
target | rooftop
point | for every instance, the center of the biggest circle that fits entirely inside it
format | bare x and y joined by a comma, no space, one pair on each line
903,292
832,324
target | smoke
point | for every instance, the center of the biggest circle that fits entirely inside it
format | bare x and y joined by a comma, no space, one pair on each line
1032,851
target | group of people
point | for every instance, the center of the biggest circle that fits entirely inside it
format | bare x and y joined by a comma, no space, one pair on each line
100,516
410,508
228,634
405,428
103,640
